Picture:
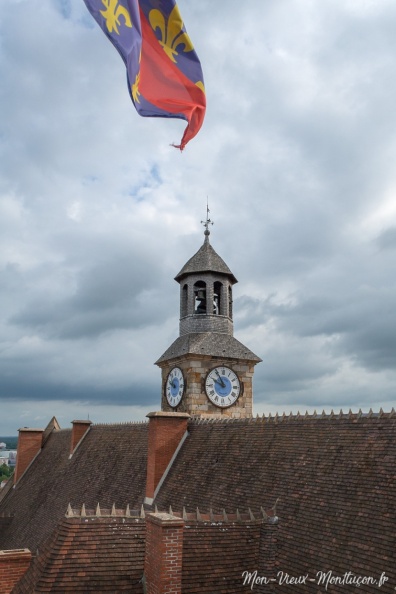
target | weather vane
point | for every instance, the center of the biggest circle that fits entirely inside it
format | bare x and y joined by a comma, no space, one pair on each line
208,221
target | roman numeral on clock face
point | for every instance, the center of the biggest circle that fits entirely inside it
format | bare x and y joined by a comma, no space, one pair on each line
222,386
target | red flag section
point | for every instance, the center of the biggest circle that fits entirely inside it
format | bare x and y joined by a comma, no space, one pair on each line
164,85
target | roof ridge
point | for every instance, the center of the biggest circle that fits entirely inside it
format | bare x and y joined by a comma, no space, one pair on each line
222,516
278,418
120,424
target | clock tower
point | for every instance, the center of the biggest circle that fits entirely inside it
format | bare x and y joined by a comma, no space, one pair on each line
207,372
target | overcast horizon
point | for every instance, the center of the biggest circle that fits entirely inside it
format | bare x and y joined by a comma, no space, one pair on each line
98,212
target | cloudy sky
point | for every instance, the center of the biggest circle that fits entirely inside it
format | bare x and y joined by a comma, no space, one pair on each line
98,212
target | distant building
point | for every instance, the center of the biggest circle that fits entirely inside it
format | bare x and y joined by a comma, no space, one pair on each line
8,457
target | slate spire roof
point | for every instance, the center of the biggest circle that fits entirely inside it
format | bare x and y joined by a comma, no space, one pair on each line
210,344
205,260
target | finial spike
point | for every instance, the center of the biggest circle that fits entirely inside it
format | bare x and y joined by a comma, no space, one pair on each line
225,517
83,512
142,512
155,509
69,512
127,511
251,514
170,511
199,517
263,513
238,515
207,222
98,512
184,514
113,510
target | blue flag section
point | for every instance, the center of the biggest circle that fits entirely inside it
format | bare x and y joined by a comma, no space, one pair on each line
164,73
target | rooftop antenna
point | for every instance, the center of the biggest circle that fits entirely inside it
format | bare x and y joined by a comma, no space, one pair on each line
207,222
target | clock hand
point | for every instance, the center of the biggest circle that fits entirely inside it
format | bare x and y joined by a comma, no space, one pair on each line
221,381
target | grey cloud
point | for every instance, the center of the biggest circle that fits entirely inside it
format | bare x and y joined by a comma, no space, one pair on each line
387,239
116,292
22,389
98,213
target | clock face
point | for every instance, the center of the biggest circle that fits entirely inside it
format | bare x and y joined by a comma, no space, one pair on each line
174,387
222,386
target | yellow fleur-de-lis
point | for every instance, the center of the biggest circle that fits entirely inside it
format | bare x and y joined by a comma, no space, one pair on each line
115,10
135,88
172,34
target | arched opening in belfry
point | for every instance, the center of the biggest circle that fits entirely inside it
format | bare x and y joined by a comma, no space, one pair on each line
230,302
217,291
200,297
184,301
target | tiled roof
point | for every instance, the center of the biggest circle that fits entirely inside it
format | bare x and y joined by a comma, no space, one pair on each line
215,554
334,477
104,551
109,466
210,344
205,260
89,554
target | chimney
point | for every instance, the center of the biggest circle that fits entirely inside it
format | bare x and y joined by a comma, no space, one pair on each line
13,565
79,430
166,434
164,552
29,445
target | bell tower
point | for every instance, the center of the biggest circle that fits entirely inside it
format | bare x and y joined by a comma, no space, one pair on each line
207,372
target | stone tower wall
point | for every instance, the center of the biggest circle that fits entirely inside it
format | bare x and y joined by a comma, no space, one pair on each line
195,402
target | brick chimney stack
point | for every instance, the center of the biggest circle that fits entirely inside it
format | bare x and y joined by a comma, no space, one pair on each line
164,553
29,445
79,430
166,433
13,565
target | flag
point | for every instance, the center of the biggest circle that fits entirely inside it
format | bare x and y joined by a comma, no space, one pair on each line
163,70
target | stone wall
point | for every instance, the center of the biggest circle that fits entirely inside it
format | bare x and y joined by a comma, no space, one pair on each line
195,402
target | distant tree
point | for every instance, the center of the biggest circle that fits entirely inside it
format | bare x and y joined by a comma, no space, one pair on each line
5,472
